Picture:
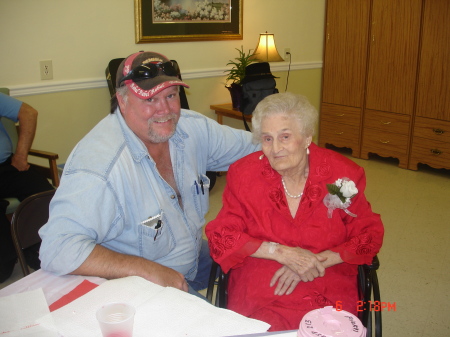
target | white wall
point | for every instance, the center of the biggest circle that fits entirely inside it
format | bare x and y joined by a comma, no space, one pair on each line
81,36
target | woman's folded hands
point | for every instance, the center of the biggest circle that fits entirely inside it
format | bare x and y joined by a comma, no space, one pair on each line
298,265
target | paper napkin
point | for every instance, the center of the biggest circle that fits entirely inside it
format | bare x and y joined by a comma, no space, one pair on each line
19,314
160,311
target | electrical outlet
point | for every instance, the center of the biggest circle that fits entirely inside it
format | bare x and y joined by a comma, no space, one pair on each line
46,68
287,53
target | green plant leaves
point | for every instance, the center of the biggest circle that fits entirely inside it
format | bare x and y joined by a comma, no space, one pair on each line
237,73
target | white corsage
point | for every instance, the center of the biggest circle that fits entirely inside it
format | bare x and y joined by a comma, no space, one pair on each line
339,196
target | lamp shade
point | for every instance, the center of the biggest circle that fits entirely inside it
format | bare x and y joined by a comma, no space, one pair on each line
266,51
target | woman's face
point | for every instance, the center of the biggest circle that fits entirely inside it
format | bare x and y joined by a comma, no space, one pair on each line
283,144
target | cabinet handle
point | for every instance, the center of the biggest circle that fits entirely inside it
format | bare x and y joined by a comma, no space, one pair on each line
384,141
385,123
339,133
340,115
436,152
438,131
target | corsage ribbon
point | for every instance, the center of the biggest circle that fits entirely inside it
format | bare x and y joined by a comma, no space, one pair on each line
332,202
339,196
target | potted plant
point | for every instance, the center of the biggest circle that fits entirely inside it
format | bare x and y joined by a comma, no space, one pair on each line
236,74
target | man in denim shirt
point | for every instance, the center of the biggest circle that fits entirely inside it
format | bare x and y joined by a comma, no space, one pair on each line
134,192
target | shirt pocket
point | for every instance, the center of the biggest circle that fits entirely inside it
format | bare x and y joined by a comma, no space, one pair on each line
200,192
156,243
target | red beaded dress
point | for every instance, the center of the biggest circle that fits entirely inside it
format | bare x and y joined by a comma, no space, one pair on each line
255,210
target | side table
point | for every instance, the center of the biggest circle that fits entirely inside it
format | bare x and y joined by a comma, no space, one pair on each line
227,110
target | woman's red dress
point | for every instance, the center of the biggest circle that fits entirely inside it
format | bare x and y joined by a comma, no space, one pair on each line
255,210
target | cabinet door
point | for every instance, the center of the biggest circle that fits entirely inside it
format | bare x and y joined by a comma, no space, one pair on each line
393,55
433,96
346,36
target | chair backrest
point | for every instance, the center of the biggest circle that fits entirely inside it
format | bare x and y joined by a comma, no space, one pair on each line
111,72
29,217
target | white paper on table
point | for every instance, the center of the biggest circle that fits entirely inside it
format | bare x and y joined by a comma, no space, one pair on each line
19,314
160,311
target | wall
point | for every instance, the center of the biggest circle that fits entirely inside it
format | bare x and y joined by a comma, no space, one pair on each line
80,37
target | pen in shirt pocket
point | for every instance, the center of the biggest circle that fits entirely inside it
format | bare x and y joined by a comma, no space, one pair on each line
158,229
201,185
200,180
196,186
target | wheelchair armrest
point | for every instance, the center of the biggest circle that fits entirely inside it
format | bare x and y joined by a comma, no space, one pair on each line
219,279
374,265
370,294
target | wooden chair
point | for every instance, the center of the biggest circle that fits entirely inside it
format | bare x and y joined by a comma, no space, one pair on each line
368,289
50,171
28,218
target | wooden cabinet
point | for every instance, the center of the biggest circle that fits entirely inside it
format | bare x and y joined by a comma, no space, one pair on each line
386,68
431,132
393,54
346,52
391,78
431,143
340,125
344,70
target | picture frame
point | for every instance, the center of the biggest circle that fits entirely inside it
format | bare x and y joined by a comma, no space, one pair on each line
188,20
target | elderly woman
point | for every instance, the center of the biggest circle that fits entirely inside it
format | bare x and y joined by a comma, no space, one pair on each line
295,223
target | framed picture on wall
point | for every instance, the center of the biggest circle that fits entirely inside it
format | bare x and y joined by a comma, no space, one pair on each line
188,20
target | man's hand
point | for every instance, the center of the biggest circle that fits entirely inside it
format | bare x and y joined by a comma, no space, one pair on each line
168,277
20,163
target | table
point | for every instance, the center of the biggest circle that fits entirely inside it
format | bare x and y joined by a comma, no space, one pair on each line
56,286
227,110
53,286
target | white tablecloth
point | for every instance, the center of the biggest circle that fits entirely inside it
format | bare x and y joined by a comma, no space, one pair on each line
184,307
53,286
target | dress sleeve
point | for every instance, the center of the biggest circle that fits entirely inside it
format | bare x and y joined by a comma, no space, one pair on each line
364,232
227,235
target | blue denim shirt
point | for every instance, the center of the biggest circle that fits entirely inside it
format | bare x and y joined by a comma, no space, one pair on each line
111,190
9,108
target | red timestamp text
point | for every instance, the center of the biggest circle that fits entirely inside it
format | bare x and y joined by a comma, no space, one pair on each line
370,306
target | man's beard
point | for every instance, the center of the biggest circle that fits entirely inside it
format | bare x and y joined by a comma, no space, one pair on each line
154,136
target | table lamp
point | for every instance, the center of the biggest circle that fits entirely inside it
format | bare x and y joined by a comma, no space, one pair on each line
265,50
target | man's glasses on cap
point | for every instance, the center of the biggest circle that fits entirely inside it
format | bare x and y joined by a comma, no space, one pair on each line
150,70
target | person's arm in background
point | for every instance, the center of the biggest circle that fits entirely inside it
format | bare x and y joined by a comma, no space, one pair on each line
27,128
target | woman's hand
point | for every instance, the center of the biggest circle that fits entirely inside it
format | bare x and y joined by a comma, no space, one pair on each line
287,281
304,263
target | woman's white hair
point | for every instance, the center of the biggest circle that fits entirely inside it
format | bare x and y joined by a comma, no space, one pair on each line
287,104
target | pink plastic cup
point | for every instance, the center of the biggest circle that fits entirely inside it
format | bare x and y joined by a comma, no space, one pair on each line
116,319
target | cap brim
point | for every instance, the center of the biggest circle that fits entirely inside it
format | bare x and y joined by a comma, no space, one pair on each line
156,84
